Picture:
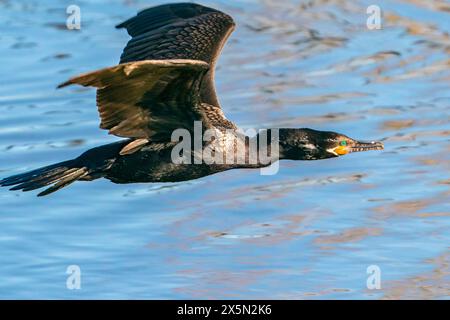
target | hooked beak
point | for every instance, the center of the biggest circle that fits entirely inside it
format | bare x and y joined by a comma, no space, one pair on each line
360,146
357,146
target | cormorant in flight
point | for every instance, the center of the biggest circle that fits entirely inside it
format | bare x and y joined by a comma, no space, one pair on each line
165,82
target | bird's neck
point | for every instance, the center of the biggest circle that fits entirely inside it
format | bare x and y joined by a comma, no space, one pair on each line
291,144
263,149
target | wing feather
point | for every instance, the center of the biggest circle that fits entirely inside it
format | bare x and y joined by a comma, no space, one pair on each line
147,99
179,31
165,80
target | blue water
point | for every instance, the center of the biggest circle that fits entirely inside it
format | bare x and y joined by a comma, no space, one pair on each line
309,232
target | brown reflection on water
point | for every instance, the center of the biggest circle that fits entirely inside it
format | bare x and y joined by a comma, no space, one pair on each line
252,268
425,71
437,5
349,235
320,99
413,208
414,27
280,189
430,285
354,64
220,283
321,119
287,228
397,124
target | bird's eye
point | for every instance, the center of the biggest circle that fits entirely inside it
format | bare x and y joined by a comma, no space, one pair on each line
343,143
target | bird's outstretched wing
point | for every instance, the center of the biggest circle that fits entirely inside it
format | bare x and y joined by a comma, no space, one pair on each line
149,99
179,31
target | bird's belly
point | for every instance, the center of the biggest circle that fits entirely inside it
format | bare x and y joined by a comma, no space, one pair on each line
135,169
164,173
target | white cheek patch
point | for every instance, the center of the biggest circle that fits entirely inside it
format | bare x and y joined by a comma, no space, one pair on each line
332,151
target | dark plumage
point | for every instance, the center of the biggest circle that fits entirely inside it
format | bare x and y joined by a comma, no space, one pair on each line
165,82
179,31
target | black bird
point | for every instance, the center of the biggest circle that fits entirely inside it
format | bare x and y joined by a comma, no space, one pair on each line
165,82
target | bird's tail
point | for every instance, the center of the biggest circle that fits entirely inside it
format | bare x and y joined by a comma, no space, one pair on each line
90,165
60,175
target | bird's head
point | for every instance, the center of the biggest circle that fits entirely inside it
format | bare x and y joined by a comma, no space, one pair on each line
308,144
